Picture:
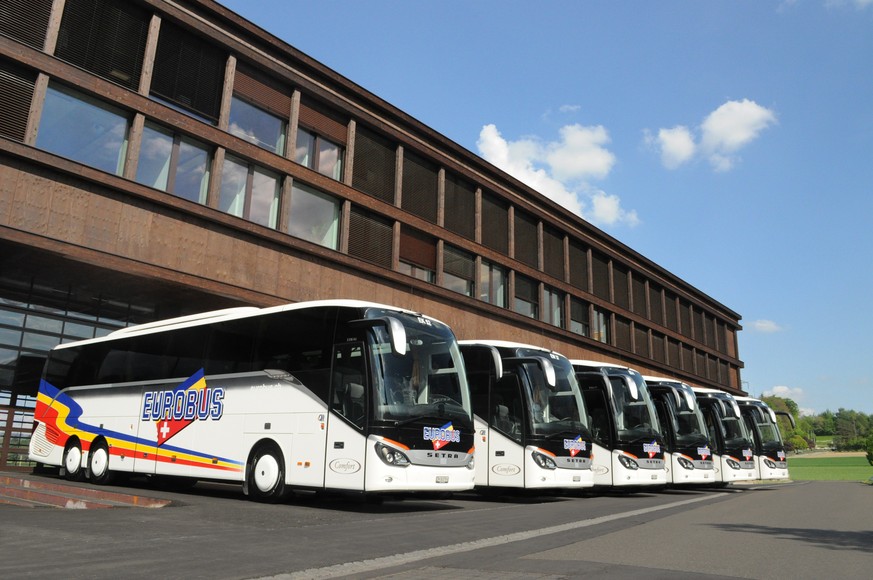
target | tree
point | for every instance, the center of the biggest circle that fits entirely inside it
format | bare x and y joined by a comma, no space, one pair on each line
870,449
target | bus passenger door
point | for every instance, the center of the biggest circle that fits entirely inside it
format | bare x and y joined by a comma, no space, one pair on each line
506,452
601,423
345,456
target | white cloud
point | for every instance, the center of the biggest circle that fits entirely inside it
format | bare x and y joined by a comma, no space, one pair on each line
722,134
766,326
580,153
569,108
561,169
606,209
784,392
731,127
676,145
796,394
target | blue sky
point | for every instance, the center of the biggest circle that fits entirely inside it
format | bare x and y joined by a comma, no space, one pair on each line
731,142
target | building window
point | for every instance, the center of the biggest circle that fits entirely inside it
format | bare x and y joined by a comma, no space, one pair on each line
417,255
458,270
526,246
105,37
83,129
16,93
495,224
460,206
256,126
249,192
174,164
600,272
188,73
370,237
26,20
526,302
318,153
314,216
492,284
641,341
375,159
620,285
553,307
579,317
420,181
578,266
600,330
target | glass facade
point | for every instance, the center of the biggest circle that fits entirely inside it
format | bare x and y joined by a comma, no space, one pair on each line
318,153
256,126
83,129
34,317
174,164
249,192
314,216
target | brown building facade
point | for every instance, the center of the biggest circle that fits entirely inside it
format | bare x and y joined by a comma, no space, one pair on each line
163,158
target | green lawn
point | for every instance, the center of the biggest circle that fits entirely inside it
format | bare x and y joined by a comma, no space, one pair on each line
829,469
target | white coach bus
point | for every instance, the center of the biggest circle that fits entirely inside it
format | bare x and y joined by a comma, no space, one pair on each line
627,448
531,424
733,452
301,396
770,459
688,455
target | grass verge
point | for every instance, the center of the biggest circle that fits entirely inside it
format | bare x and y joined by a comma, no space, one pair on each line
830,469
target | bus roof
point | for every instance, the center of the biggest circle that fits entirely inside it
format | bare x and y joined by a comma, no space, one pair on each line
506,344
597,363
651,379
230,314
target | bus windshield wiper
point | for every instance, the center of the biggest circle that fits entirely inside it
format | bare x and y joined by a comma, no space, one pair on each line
409,420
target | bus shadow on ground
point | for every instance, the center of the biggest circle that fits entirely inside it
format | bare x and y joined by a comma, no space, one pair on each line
830,539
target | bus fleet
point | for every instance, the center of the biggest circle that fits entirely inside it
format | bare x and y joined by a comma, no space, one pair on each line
357,397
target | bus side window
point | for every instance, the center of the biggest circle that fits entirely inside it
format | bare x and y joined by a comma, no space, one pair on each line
348,392
506,406
599,422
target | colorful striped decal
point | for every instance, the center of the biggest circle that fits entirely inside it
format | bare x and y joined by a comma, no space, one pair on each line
62,415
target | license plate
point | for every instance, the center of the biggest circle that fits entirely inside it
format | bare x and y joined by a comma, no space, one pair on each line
442,478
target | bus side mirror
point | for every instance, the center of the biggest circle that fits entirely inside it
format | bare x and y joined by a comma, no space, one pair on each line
545,366
632,388
788,416
396,331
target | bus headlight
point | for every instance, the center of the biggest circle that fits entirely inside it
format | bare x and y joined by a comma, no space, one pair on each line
391,456
733,464
769,463
685,463
471,463
543,460
628,463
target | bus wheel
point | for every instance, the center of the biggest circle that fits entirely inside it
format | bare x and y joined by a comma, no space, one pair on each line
266,474
73,461
98,464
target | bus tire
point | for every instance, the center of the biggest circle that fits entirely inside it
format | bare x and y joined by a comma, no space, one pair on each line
98,464
265,474
73,461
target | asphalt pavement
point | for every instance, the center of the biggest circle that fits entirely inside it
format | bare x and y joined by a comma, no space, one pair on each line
787,530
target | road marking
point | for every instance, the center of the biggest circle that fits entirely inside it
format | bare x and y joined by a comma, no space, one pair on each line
361,566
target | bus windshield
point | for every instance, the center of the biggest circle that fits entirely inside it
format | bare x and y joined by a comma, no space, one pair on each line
634,412
734,430
690,427
767,429
556,409
428,381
